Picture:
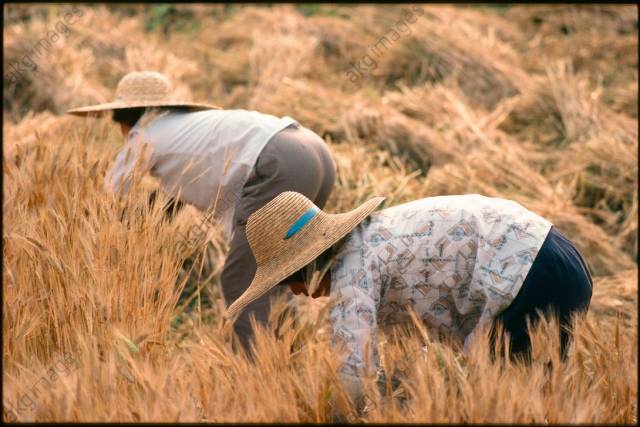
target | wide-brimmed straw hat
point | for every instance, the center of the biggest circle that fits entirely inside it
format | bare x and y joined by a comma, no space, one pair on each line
288,233
141,89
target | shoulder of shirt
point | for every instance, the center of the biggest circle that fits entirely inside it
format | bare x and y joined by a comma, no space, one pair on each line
136,132
156,123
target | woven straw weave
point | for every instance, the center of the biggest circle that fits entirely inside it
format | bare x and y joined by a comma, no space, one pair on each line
141,89
277,258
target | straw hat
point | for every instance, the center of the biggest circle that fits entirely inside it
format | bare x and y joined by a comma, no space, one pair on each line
141,89
288,233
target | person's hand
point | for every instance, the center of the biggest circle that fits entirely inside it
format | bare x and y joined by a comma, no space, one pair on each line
171,208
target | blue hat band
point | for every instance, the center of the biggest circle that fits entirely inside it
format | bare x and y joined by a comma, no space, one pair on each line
301,222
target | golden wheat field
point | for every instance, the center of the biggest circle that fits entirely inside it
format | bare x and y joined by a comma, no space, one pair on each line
532,103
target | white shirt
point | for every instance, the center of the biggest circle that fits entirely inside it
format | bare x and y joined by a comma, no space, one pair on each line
458,261
204,157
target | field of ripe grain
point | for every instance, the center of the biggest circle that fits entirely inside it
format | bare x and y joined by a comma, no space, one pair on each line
533,103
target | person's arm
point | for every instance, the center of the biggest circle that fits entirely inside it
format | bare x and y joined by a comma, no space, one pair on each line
354,325
172,207
135,155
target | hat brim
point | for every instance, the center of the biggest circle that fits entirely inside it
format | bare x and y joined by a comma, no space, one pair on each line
99,109
271,273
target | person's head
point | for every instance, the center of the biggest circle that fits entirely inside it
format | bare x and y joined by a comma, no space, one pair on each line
299,281
128,117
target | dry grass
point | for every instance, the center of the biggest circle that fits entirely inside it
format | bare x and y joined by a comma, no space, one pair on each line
537,104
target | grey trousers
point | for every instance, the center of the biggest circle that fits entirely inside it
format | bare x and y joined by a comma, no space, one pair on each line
295,159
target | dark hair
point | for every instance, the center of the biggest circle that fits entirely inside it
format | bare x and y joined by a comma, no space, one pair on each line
323,258
128,116
297,277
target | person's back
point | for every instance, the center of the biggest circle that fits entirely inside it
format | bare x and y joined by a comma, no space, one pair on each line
204,132
456,260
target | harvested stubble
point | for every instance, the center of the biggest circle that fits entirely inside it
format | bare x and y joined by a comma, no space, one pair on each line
530,103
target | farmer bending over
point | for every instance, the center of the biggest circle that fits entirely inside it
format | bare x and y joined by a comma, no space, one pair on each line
461,262
227,162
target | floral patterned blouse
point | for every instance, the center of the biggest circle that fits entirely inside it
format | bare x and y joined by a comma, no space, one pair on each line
458,261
